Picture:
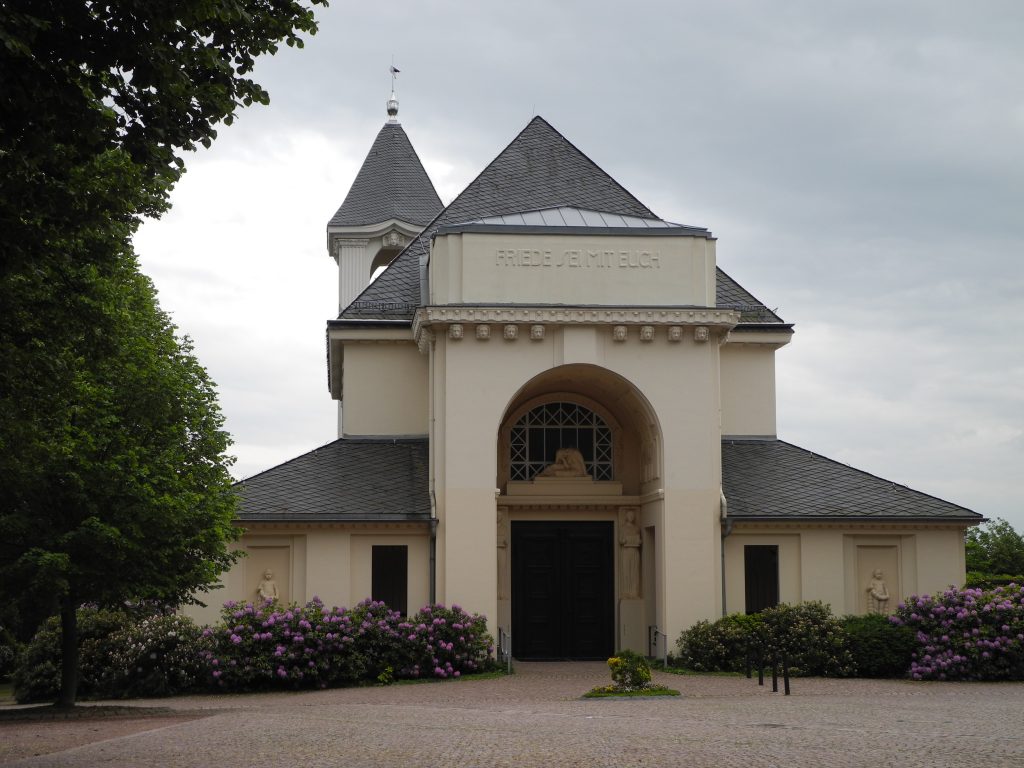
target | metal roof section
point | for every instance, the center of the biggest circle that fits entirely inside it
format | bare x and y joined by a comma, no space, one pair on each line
570,220
772,480
348,480
391,184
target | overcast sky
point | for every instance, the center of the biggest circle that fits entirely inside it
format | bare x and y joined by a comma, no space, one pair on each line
861,163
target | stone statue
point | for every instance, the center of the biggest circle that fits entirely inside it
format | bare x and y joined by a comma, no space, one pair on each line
878,593
502,555
629,540
267,590
568,463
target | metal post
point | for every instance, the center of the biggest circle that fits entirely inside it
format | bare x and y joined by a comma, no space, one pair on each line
775,673
785,673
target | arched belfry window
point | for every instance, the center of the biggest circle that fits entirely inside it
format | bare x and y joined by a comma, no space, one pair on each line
541,431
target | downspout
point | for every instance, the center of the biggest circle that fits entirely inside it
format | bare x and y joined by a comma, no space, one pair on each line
433,548
726,525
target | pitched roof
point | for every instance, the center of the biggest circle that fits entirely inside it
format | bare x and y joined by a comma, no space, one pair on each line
539,169
567,219
351,479
776,480
390,185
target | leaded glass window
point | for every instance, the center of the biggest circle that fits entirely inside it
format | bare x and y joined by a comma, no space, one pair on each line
540,432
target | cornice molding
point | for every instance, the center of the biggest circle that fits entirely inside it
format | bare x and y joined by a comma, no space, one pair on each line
722,320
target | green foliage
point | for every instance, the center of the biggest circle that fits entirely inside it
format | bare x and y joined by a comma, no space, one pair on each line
879,647
37,676
100,100
721,646
158,655
630,671
995,554
807,634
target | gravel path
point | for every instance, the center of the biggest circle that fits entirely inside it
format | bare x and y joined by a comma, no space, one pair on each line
535,718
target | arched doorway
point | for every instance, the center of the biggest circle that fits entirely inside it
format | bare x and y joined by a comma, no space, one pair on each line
571,566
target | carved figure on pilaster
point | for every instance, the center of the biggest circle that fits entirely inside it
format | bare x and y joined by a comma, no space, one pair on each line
502,553
629,563
878,593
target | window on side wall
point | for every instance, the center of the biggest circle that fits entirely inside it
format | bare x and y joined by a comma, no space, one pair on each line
390,577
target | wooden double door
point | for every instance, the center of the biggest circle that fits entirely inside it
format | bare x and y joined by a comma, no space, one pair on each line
563,590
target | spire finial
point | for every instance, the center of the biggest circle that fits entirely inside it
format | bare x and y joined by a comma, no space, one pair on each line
393,102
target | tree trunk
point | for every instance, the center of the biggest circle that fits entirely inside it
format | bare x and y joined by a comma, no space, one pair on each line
69,652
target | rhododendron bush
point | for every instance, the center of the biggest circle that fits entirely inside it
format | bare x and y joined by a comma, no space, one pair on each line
967,634
266,645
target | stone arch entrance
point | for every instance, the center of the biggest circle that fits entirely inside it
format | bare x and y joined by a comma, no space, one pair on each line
571,537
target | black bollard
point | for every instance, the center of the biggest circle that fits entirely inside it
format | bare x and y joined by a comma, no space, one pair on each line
785,673
775,673
760,670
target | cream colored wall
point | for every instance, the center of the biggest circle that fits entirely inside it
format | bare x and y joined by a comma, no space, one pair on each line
360,565
834,564
385,389
330,563
572,269
474,382
748,389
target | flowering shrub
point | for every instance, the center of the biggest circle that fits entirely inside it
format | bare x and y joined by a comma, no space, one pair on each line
158,655
630,671
37,674
267,645
807,634
967,634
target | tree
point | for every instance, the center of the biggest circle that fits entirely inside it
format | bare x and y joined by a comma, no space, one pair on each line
995,549
115,480
142,80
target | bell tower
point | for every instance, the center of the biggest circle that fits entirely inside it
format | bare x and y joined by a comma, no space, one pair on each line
390,201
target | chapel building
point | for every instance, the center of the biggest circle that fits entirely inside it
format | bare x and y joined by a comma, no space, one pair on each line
558,411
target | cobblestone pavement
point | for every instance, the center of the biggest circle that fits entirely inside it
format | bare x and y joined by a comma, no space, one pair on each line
535,718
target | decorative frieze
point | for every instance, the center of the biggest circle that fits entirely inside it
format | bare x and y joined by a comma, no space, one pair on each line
539,318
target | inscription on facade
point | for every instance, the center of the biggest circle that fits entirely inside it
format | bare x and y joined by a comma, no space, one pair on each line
585,258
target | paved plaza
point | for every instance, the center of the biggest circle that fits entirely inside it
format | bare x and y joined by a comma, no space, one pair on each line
536,718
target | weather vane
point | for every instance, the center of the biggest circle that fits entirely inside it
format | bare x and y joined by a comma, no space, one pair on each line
393,102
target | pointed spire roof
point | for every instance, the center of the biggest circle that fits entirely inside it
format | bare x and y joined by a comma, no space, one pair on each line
391,185
539,169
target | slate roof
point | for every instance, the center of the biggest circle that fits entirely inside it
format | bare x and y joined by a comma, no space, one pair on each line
776,480
390,185
539,169
566,217
351,479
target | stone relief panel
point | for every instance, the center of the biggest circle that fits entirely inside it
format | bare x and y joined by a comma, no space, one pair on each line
261,561
537,332
619,333
878,579
510,332
483,332
455,331
647,333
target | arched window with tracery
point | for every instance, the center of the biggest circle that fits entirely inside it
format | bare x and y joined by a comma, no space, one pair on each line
541,431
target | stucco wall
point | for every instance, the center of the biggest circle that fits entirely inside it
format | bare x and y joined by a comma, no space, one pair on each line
385,389
748,389
834,565
333,564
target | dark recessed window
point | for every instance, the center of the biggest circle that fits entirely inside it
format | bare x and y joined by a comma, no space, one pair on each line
539,433
390,580
761,573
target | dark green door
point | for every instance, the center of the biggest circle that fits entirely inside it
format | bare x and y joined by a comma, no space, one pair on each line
563,590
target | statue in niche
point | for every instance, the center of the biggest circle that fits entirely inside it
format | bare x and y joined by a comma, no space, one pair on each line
629,540
568,463
502,555
878,593
267,590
